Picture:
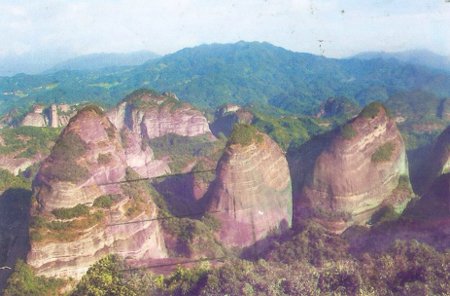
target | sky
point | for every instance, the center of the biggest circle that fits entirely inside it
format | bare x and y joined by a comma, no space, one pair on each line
337,28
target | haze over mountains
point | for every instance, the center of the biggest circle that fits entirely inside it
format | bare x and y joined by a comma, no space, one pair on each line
98,61
421,57
48,62
243,72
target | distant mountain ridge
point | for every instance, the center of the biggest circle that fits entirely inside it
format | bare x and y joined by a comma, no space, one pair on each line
98,61
421,57
242,73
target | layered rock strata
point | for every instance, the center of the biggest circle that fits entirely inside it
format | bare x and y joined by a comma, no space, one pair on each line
152,115
252,194
81,213
145,115
363,169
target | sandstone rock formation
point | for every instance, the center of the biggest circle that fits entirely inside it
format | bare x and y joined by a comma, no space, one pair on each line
77,219
363,169
54,116
152,115
19,164
227,116
145,115
252,193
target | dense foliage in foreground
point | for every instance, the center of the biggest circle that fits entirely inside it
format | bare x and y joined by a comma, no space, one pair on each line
310,262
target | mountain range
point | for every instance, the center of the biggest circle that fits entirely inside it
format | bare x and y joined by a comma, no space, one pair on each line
421,57
244,73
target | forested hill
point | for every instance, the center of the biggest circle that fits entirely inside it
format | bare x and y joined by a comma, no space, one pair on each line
244,72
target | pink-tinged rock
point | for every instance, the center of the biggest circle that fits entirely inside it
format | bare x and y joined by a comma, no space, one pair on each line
40,116
144,115
99,137
94,145
17,165
347,184
140,157
34,119
252,194
151,115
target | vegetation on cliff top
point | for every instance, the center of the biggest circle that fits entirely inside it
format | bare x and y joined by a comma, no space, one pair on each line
372,110
92,108
244,135
148,98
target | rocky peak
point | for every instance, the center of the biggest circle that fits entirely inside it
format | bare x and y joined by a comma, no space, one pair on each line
252,193
83,211
227,116
153,115
53,116
362,169
77,161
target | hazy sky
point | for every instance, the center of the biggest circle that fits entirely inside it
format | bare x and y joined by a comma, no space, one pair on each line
163,26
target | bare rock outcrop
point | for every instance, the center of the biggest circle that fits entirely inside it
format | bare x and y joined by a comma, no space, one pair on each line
54,116
82,211
226,116
145,115
363,169
252,193
17,165
153,115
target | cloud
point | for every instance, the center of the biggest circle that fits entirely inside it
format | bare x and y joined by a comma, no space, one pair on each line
346,26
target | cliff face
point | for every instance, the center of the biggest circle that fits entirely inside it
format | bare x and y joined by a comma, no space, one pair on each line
440,156
145,115
76,219
437,173
152,115
363,169
252,192
54,116
227,116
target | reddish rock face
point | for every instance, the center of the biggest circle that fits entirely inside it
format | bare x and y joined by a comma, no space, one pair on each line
152,115
49,117
145,115
75,166
88,154
252,194
357,174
